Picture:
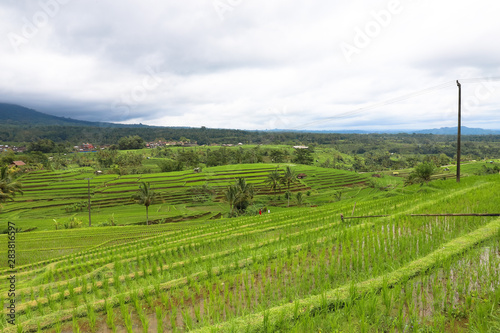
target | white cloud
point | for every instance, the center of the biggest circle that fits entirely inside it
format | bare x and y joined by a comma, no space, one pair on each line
266,64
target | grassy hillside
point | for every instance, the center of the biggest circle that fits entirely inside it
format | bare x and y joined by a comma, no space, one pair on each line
59,195
302,269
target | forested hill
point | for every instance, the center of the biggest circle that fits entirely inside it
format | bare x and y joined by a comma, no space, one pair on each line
20,125
12,114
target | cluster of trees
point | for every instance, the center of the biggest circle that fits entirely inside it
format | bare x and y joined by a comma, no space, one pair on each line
101,135
48,146
427,144
7,157
131,142
180,159
108,158
239,196
368,152
489,171
390,161
275,179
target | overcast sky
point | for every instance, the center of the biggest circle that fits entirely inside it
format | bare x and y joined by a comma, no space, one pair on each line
254,64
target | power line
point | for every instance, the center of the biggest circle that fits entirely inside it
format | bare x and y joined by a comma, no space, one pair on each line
396,100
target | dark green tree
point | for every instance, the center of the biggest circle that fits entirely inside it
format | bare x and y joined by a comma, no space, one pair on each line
106,158
273,180
277,156
168,165
8,186
288,178
230,195
145,197
188,157
42,145
129,159
7,157
131,142
421,174
239,195
303,156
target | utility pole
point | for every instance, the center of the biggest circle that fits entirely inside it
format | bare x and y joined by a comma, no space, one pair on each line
459,128
88,179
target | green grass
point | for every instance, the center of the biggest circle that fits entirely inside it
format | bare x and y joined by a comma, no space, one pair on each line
296,269
47,195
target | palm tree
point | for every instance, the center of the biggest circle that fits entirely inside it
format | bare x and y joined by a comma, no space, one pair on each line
145,197
245,193
273,180
288,178
239,195
230,195
8,187
422,173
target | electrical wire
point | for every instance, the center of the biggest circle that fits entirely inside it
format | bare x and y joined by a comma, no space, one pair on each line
395,100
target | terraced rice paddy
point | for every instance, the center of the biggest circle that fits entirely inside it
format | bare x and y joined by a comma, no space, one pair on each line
47,194
302,269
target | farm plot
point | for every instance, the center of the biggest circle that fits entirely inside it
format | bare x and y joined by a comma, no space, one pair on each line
293,270
50,196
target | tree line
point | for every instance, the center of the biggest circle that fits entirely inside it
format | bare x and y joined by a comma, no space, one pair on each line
64,137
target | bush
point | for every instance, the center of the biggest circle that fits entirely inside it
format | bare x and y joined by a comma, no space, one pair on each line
73,223
76,207
488,171
421,174
252,210
168,165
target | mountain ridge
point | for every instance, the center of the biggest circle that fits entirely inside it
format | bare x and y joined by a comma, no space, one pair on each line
437,131
13,114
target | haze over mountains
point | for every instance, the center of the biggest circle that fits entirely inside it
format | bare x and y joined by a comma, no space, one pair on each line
12,114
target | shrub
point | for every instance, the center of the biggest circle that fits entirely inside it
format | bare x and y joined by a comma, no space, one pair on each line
73,223
421,174
76,207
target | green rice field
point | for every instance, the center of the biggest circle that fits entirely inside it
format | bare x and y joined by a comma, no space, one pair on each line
49,194
379,268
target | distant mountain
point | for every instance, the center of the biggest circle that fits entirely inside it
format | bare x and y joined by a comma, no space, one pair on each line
12,114
453,131
437,131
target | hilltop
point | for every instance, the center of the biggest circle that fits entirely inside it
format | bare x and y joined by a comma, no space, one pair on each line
19,115
12,114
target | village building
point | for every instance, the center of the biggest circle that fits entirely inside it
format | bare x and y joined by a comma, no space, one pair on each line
13,148
17,164
85,147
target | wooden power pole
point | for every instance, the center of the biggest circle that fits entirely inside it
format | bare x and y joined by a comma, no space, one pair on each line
459,129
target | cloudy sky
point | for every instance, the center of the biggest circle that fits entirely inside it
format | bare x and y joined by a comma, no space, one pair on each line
254,64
